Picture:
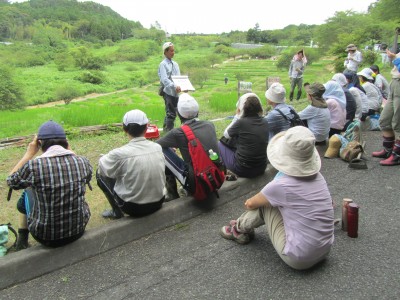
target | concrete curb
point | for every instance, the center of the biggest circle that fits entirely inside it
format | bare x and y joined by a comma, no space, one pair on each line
36,261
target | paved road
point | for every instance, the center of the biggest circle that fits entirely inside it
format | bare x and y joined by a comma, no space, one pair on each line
191,261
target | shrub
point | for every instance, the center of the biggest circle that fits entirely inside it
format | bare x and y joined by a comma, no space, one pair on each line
64,61
284,60
369,57
67,93
10,93
93,77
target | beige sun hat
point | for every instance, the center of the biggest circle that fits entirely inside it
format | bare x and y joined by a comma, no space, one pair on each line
351,47
293,152
333,149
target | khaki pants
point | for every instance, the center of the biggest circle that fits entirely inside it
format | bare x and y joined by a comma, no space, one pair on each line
390,116
272,218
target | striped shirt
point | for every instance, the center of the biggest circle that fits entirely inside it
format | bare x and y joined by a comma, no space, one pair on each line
60,210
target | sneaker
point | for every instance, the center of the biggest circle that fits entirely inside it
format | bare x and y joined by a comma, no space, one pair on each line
251,233
111,214
230,233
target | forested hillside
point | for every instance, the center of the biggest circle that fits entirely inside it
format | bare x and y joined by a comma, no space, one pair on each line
59,19
60,49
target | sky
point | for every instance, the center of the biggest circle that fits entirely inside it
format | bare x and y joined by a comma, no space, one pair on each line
217,16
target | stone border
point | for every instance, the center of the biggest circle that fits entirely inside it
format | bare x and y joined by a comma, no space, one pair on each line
38,260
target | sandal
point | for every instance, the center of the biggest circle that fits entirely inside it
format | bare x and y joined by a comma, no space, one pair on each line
231,177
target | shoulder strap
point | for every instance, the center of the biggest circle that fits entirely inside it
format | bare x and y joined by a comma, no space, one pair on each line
189,134
282,114
295,114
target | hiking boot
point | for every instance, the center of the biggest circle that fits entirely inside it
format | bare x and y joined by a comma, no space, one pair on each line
382,154
22,240
111,214
171,188
393,160
230,233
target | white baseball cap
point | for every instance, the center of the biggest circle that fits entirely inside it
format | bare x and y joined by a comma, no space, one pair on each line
188,106
166,45
135,116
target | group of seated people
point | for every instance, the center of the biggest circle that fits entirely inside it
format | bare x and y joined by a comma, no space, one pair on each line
140,176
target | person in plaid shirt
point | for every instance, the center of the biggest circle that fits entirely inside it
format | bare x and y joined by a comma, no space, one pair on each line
53,207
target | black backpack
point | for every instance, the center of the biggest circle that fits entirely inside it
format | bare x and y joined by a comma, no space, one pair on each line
295,121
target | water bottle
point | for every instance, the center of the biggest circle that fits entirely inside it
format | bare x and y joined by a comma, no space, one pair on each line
345,205
213,156
352,220
215,159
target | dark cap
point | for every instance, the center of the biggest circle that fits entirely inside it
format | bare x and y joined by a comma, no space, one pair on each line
374,68
51,130
316,90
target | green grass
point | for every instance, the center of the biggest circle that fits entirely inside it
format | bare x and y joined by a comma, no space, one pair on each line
215,99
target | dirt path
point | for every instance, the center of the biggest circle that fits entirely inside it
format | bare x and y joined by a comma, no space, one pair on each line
83,98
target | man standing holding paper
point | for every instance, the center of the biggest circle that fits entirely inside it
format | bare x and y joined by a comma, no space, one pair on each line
166,70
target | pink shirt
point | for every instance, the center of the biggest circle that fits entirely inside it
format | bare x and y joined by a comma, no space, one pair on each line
338,114
307,212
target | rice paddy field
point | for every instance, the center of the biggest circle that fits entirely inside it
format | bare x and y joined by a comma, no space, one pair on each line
216,99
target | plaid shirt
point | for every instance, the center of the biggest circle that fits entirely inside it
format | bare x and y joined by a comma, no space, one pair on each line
60,210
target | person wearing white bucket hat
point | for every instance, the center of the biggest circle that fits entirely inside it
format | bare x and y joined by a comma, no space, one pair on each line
374,95
281,114
296,206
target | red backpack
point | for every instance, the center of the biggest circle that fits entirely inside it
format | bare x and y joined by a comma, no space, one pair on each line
208,177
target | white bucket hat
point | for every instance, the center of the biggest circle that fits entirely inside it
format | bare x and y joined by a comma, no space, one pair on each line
367,73
276,93
293,152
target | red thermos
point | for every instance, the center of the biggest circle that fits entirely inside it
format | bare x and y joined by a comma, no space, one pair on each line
352,220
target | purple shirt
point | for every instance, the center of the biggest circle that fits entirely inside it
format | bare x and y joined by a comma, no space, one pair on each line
307,212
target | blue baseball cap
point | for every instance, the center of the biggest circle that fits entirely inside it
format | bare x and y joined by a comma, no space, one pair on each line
51,130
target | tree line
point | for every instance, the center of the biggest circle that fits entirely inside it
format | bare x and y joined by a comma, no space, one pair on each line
65,32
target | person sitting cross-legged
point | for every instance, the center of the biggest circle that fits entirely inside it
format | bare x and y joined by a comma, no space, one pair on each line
296,206
316,114
132,177
247,157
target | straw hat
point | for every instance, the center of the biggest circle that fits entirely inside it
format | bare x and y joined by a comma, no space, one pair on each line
333,147
293,152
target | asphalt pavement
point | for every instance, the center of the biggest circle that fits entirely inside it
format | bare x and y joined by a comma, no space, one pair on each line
183,257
